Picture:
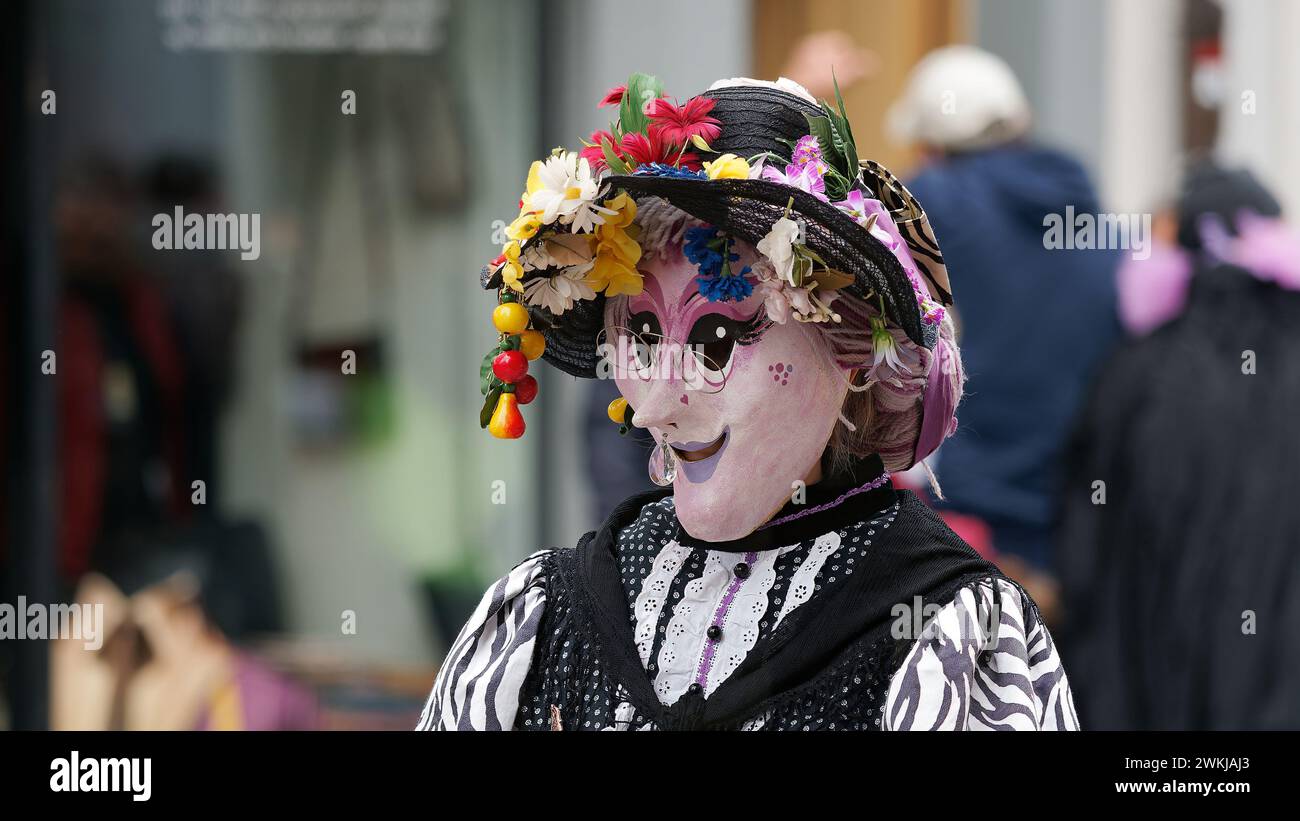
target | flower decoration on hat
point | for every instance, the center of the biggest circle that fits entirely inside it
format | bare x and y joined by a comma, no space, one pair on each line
575,238
710,250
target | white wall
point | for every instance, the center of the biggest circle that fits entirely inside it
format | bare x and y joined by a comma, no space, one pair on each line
1262,58
1141,136
356,528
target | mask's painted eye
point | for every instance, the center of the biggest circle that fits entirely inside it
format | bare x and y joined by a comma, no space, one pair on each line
716,336
644,323
648,334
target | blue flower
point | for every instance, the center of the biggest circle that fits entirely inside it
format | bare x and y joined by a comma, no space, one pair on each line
725,287
658,169
700,251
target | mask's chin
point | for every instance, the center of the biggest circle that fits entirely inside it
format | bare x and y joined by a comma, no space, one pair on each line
710,491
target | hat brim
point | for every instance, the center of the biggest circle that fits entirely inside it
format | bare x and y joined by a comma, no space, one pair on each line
746,210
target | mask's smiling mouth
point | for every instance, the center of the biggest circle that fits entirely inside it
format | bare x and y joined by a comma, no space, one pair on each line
699,451
700,459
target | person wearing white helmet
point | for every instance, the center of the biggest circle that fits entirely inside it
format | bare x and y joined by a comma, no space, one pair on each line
988,187
960,98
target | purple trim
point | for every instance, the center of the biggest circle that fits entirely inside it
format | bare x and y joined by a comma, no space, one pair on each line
719,616
872,485
940,398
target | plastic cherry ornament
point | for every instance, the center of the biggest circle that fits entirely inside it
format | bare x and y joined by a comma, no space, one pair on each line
510,366
532,343
526,389
510,317
507,422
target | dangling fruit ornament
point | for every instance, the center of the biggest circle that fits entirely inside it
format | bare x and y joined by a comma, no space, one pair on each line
510,318
526,389
620,413
616,410
510,366
532,343
507,422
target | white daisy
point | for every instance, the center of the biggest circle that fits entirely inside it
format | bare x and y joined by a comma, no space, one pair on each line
567,191
558,293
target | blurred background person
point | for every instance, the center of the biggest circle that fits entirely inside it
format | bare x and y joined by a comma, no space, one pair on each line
1180,548
992,189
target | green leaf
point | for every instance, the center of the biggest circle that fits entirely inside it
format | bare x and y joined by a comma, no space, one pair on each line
801,270
489,405
837,188
615,164
844,131
844,147
804,250
641,89
821,128
844,114
485,375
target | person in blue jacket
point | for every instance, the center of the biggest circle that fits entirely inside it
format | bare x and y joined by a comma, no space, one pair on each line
1036,318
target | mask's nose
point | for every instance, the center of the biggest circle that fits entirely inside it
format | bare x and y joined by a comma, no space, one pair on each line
661,406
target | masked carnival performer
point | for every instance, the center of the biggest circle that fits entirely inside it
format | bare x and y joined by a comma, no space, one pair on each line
775,312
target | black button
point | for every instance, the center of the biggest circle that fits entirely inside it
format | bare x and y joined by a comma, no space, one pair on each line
741,570
695,688
714,632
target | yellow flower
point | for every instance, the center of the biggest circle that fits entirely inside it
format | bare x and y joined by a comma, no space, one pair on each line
534,178
615,251
617,241
524,227
624,208
512,271
727,167
611,274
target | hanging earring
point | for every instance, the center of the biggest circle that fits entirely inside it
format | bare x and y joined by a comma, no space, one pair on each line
663,464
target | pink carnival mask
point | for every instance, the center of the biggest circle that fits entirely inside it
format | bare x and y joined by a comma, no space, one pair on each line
747,407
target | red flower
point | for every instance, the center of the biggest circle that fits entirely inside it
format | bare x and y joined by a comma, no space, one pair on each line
593,152
612,97
643,149
677,124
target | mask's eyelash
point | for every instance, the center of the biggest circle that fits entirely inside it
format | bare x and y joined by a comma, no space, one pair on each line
753,328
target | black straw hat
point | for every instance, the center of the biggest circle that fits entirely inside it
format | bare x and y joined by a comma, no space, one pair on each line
757,120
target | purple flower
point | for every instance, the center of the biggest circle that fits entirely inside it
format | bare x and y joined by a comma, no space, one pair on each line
855,205
804,177
807,150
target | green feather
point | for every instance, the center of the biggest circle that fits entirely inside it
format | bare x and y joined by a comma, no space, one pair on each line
641,89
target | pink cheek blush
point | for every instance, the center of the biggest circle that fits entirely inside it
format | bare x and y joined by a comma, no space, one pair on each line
781,372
